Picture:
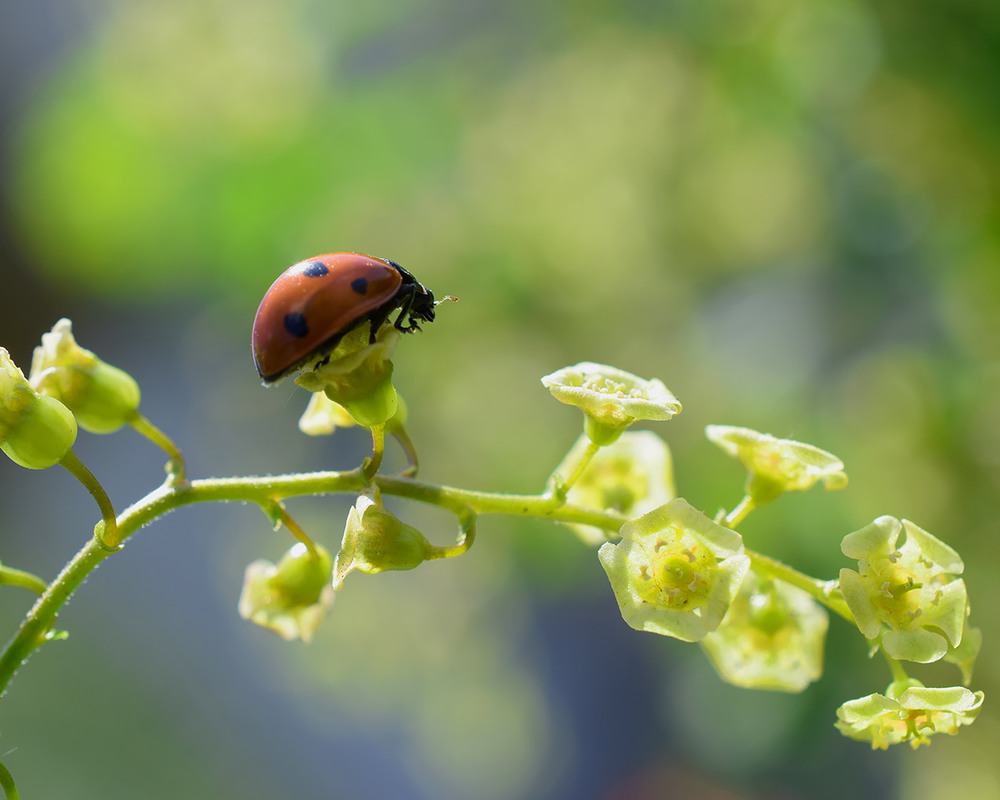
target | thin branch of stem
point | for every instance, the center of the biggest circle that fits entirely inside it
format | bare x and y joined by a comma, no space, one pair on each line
559,484
109,535
467,529
826,592
25,580
372,464
293,527
738,514
175,468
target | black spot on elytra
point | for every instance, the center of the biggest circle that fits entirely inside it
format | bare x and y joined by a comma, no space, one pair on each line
360,285
315,269
295,324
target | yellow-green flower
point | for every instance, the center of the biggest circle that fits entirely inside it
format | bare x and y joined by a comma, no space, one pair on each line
632,476
905,595
675,572
772,637
290,598
101,397
777,465
35,431
611,399
908,712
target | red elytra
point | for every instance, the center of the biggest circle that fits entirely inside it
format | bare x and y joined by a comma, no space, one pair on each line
313,303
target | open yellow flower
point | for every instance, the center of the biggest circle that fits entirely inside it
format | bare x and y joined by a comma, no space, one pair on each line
777,465
611,399
675,572
908,712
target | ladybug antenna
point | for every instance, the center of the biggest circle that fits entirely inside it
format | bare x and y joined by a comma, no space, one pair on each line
446,297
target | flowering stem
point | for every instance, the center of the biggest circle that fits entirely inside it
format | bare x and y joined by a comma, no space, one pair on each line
545,506
826,592
36,627
109,535
17,577
160,439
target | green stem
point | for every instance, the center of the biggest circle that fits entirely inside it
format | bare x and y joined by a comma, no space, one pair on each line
826,592
378,449
294,528
413,463
467,524
175,468
738,514
559,485
543,506
18,577
897,669
7,784
108,537
36,626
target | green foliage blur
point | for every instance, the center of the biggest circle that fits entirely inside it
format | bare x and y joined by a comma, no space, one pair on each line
788,212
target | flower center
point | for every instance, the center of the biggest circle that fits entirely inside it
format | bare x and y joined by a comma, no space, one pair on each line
898,594
676,572
609,386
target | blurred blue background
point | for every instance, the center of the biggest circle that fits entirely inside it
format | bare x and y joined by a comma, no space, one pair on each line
788,213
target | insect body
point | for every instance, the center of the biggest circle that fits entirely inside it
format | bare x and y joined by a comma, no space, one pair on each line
312,304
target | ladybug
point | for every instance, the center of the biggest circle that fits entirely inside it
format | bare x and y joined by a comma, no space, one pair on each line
312,304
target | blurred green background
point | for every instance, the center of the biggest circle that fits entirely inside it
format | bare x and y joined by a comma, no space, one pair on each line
788,212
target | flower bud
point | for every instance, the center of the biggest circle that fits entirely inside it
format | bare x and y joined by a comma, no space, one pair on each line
292,597
675,572
376,541
357,375
611,399
35,431
101,397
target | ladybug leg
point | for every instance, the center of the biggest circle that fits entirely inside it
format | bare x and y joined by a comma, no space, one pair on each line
377,319
405,311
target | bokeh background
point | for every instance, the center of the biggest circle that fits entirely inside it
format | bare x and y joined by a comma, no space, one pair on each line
786,211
